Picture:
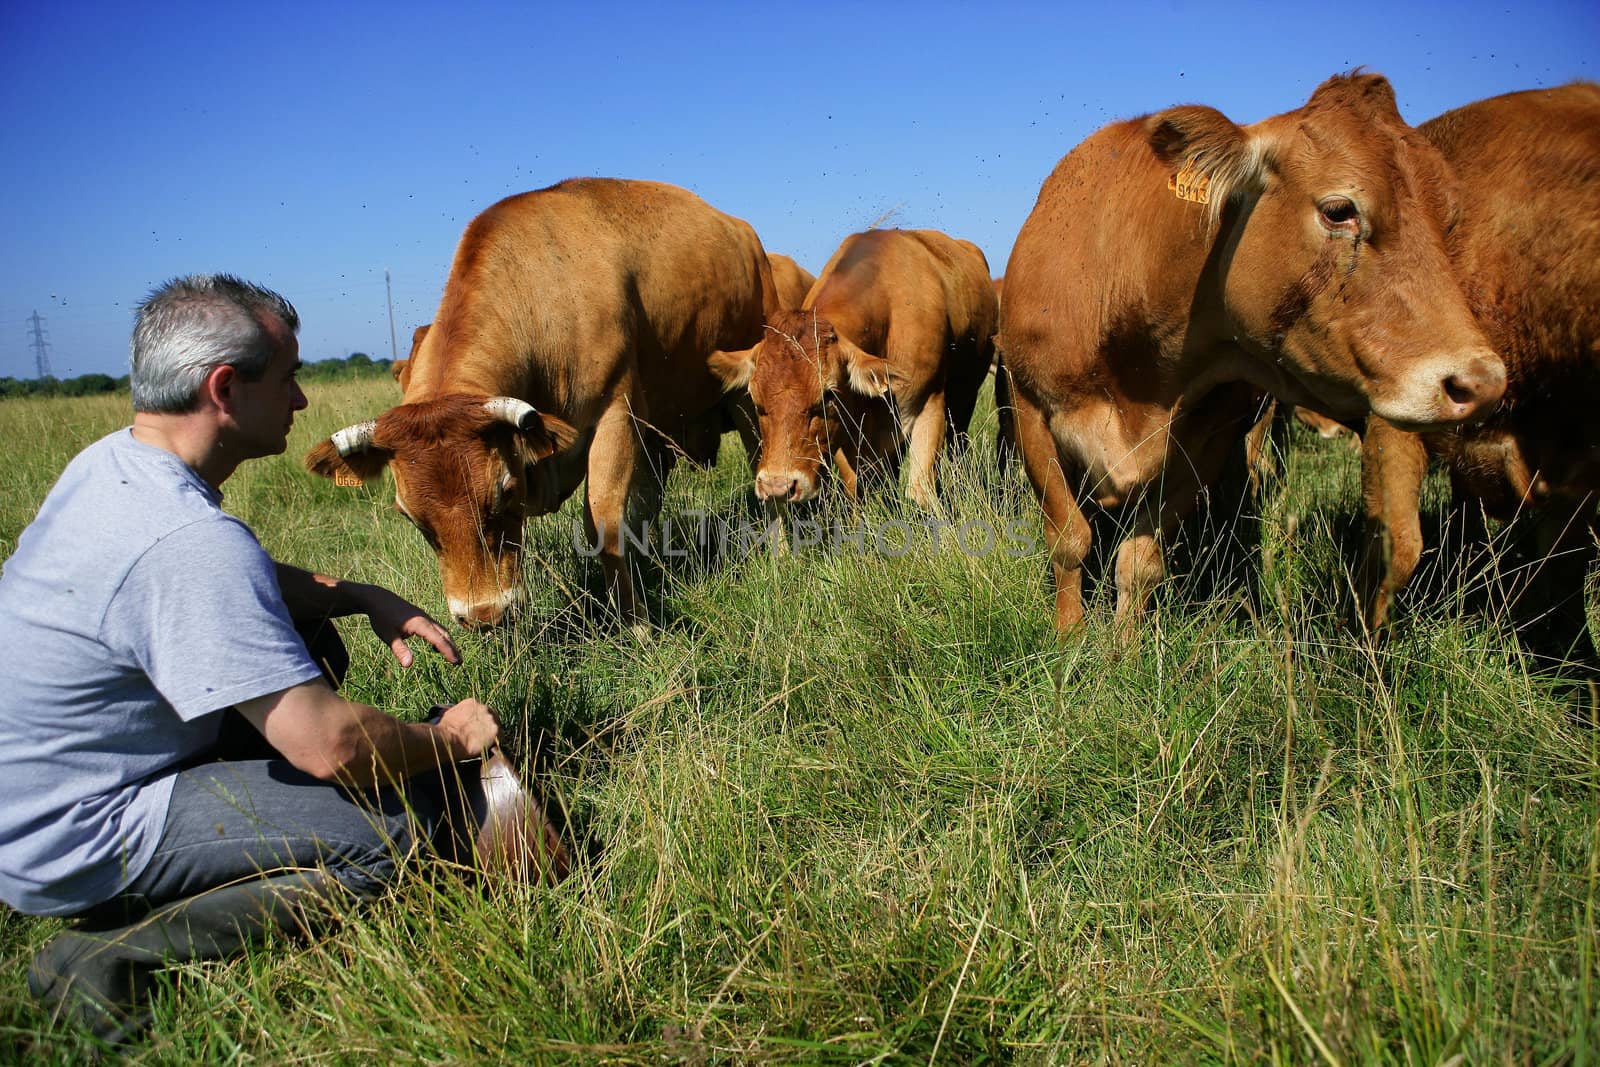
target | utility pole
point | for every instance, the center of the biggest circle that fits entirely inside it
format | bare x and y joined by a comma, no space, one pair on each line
388,295
41,354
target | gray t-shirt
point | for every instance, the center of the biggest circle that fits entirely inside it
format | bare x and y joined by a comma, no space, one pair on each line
133,610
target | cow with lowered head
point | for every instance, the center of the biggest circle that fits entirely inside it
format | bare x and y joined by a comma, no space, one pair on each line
571,344
1177,266
886,355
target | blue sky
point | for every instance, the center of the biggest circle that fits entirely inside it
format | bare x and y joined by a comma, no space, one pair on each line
311,146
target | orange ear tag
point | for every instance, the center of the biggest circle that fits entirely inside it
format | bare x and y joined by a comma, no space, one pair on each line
346,479
1190,185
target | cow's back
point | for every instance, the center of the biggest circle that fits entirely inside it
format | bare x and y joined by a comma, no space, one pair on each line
558,295
1079,270
897,288
791,281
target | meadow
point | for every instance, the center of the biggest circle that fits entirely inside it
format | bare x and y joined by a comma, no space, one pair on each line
862,806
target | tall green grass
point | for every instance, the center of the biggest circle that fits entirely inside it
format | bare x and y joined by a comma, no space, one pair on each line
850,808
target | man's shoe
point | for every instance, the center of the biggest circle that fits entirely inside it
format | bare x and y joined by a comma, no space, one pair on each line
104,979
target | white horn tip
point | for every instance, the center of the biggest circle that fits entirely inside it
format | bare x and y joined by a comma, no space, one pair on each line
353,439
518,413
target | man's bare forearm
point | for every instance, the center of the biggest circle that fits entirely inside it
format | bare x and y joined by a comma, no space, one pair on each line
343,741
380,750
309,595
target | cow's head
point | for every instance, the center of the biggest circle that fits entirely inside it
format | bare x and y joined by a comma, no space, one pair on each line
812,389
1331,253
462,466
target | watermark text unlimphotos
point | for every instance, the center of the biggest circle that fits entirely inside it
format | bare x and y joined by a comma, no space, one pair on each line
693,532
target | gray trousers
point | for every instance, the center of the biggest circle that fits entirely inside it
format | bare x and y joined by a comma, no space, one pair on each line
242,812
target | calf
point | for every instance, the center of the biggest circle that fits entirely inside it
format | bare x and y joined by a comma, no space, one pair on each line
887,353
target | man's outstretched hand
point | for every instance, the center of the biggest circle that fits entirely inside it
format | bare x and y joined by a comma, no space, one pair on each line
395,620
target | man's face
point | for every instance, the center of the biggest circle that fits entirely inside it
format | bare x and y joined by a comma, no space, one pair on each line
265,409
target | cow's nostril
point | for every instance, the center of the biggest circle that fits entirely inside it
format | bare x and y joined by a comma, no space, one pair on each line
1459,391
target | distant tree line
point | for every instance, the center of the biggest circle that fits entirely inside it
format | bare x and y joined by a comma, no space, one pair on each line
355,365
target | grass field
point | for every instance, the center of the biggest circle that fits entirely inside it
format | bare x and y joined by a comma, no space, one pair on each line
861,807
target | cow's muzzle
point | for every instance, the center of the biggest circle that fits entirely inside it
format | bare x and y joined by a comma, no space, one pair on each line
784,486
1446,392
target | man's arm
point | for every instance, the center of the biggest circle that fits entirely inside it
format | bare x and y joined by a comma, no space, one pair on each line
309,595
339,740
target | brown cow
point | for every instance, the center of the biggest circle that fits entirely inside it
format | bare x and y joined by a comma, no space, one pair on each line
791,280
400,369
600,302
1527,242
889,348
1177,265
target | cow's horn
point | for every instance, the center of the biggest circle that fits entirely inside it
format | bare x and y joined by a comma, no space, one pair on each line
518,413
355,438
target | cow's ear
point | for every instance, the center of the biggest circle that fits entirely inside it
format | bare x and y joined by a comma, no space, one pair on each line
869,375
544,436
362,466
1178,134
1367,92
1209,159
733,368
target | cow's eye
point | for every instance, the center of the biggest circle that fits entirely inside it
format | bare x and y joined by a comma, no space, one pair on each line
1339,213
504,494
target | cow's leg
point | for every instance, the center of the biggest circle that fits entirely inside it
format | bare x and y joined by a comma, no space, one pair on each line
741,412
1549,608
1005,444
927,433
844,463
613,459
1264,446
1196,455
970,365
1067,533
1393,463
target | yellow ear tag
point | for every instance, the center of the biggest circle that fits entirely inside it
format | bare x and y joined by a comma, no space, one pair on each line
1190,185
346,479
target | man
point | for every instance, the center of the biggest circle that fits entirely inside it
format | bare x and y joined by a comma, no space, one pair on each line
134,613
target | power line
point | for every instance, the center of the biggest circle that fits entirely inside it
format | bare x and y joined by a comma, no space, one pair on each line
41,353
388,295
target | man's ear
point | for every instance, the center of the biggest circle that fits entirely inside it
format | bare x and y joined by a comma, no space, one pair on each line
216,388
359,466
733,368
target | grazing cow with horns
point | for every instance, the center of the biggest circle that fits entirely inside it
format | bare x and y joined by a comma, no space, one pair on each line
1527,245
890,347
1177,265
572,342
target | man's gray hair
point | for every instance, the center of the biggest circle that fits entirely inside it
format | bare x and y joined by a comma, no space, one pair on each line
188,326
